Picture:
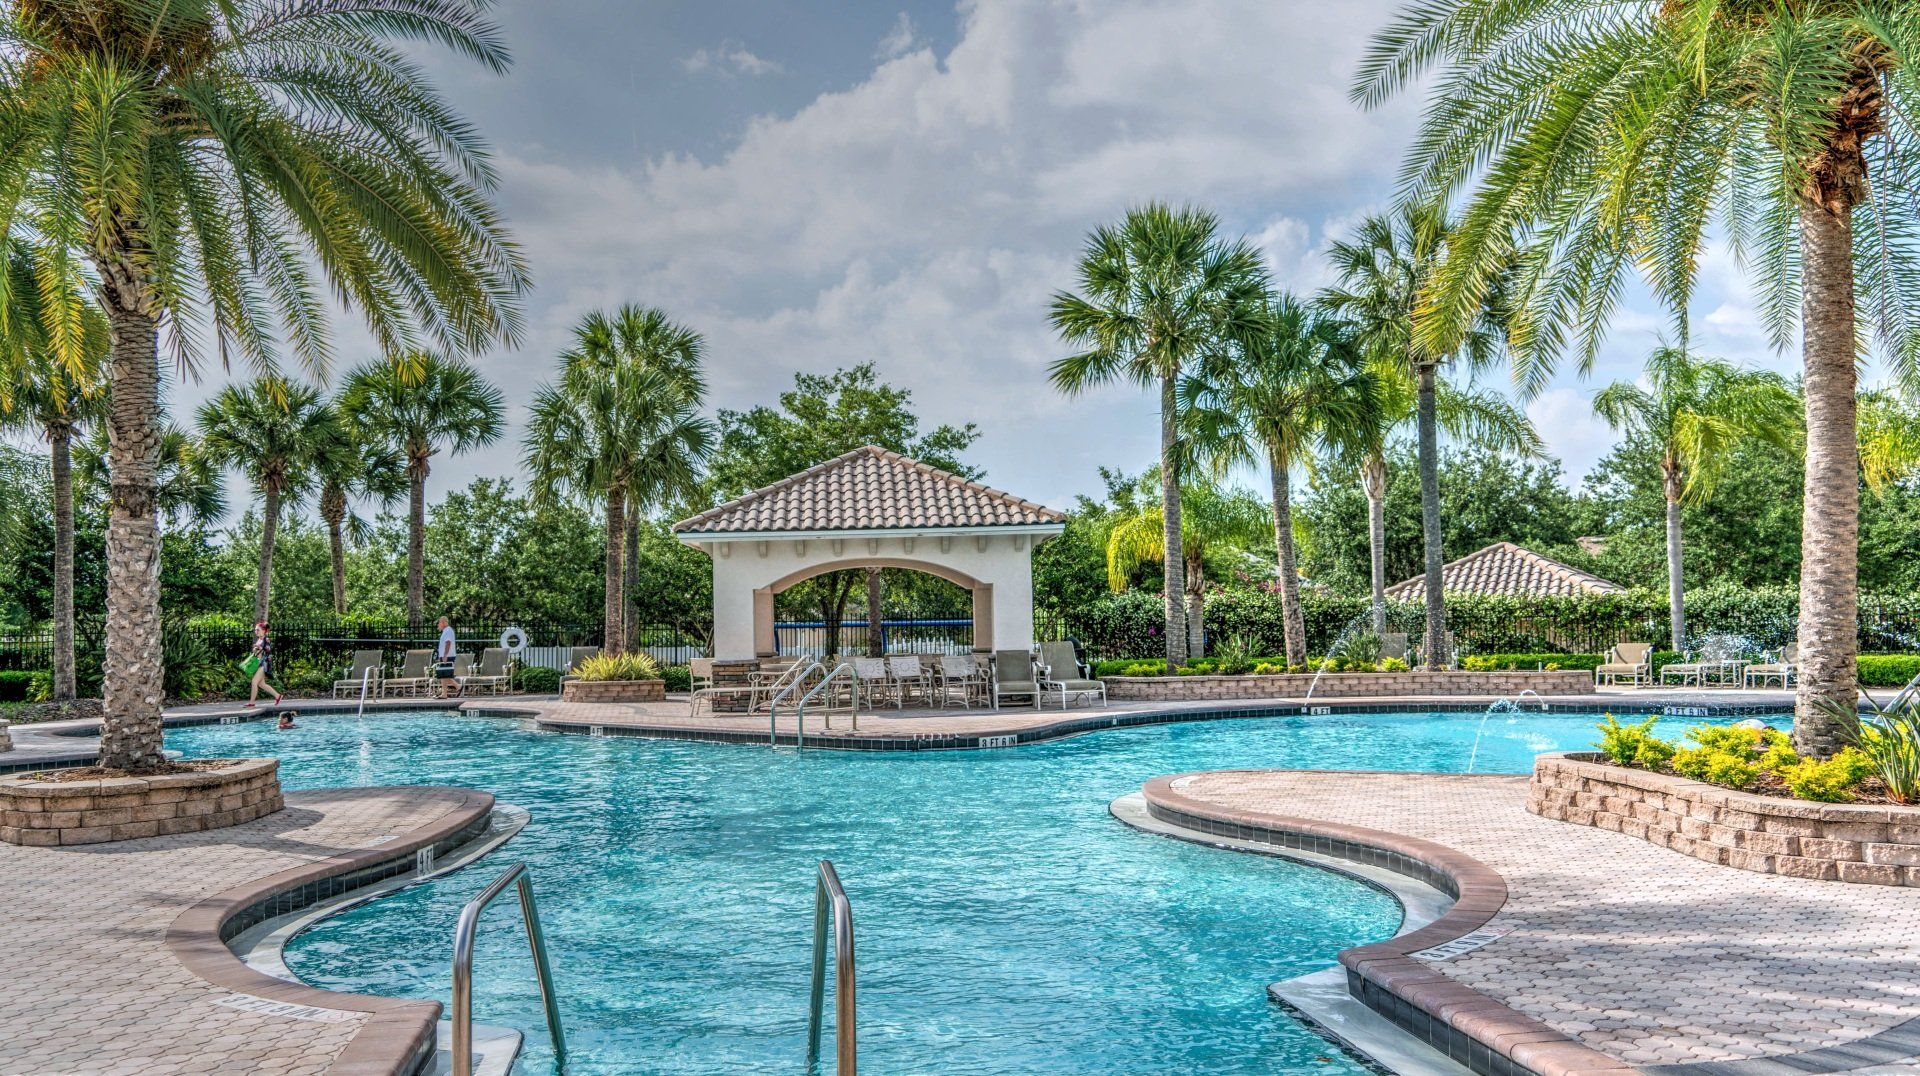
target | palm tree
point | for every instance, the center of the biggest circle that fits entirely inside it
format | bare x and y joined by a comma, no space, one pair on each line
1889,438
231,164
51,387
1383,272
1294,385
1158,292
1593,139
1357,451
416,404
1695,410
273,432
349,467
187,482
622,426
1215,522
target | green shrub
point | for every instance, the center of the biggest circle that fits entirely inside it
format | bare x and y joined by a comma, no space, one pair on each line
1888,670
16,685
1393,665
1888,737
40,688
306,677
1828,781
1502,662
538,679
678,677
1634,745
635,666
1715,766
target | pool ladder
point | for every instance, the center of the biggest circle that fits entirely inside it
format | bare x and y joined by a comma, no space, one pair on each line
828,896
463,935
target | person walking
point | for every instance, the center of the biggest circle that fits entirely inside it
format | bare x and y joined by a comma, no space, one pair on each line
262,660
443,660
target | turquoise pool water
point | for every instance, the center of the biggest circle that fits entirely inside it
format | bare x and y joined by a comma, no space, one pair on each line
1006,923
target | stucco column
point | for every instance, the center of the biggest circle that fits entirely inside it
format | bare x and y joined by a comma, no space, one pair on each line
983,636
733,610
1012,588
765,644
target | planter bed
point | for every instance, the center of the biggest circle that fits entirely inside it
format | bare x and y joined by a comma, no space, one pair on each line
1350,685
56,811
613,691
1850,842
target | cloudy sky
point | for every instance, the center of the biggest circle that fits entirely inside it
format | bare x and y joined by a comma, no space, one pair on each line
814,185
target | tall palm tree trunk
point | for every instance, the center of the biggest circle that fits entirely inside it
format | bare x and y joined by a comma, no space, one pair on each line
60,437
1436,643
333,509
1293,621
1374,478
130,733
1676,585
416,537
876,612
1830,525
630,573
1173,562
614,640
269,530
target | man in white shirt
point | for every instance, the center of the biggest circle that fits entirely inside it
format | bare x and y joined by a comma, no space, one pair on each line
443,660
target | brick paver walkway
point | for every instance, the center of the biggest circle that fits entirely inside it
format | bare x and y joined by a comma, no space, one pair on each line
93,985
1640,952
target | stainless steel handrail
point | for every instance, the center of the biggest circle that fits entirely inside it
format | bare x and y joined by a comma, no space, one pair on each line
463,967
773,708
828,891
800,708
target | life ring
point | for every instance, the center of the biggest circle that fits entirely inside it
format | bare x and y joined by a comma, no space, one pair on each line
513,640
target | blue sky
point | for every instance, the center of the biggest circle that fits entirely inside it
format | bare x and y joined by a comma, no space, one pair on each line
813,185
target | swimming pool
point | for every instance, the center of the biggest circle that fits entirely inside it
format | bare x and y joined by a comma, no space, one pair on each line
1006,922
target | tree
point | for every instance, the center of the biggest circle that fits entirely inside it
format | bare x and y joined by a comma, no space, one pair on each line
622,426
1383,271
273,432
1159,292
229,164
1216,522
52,387
1696,410
187,489
1588,140
1359,451
1293,386
416,404
350,466
823,416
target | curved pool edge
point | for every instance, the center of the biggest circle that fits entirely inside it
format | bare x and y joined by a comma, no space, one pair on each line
1469,1027
399,1034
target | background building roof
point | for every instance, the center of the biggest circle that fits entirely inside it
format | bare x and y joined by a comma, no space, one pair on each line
1505,568
869,488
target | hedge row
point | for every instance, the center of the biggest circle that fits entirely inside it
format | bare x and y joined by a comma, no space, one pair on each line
16,685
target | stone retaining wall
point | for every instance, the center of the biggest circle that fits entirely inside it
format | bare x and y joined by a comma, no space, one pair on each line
34,812
613,691
1350,685
1848,842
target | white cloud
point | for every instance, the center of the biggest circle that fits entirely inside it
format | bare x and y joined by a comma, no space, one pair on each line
729,58
1574,434
900,40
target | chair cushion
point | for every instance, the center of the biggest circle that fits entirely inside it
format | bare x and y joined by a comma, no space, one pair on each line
1018,687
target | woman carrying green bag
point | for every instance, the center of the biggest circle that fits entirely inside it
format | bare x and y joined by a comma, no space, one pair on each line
259,665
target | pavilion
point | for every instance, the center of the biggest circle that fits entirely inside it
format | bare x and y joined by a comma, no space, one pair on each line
870,508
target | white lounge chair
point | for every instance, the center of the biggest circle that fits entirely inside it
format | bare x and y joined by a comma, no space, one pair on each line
1782,670
1015,675
364,671
493,674
416,667
1628,660
1064,674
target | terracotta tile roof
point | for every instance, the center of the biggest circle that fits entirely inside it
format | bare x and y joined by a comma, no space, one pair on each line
870,488
1505,568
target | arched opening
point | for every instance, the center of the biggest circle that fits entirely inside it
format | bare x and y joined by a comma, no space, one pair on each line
830,608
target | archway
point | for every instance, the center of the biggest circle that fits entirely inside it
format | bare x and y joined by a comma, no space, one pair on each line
766,640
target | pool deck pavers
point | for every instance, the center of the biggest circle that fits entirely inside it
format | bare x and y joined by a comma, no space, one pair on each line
115,965
1650,957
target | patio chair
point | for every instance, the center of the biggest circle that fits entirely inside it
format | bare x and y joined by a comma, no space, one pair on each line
493,674
958,677
909,676
1014,675
873,682
575,656
365,662
1782,670
1628,660
416,667
1064,674
699,674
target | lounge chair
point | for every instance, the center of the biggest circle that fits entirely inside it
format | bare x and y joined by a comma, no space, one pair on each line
1064,674
462,672
958,677
1782,670
493,674
909,676
1014,675
575,656
1692,669
1628,660
364,671
416,668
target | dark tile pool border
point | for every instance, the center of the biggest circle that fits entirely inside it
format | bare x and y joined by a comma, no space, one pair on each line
399,1035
